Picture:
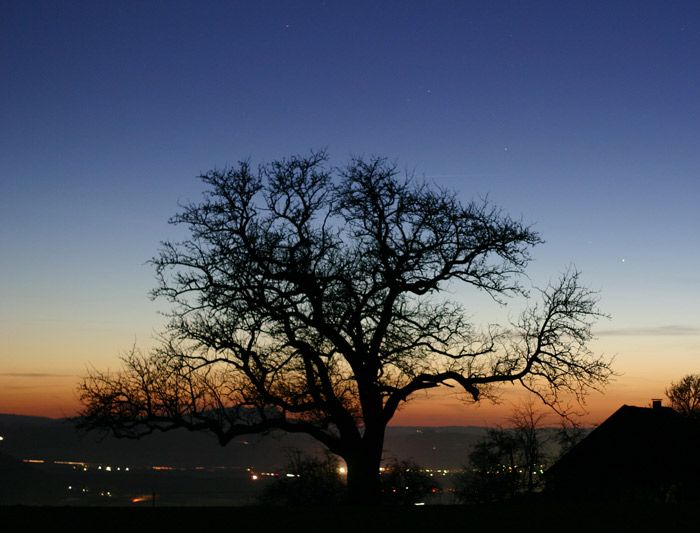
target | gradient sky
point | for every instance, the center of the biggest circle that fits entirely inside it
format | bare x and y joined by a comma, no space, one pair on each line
581,117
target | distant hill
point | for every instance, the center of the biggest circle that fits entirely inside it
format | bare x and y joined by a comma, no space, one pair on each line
27,437
22,483
198,471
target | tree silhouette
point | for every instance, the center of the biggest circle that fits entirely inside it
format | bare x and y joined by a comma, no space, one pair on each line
507,462
308,299
569,434
311,480
406,482
685,396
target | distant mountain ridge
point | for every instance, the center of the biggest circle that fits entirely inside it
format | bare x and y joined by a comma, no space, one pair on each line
38,438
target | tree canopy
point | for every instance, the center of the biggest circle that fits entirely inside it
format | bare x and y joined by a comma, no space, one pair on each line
311,298
685,396
507,463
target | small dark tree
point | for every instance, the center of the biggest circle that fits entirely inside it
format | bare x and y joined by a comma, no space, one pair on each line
528,424
570,433
406,483
491,475
312,480
508,462
685,396
307,299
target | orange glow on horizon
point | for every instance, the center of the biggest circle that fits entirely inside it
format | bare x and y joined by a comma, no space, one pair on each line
48,398
439,409
643,375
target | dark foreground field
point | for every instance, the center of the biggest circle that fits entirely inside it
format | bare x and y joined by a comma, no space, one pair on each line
429,519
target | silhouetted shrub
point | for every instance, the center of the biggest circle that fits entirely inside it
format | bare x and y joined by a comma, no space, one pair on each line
308,480
407,483
506,463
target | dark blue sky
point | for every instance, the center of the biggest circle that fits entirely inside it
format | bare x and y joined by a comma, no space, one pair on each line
583,117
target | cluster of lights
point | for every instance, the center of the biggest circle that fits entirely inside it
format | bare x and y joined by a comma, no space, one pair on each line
86,490
516,468
110,469
432,473
255,476
84,466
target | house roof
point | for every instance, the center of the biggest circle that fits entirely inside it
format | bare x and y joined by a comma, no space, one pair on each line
636,441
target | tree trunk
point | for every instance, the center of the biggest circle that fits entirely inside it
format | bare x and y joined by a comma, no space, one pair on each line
363,477
363,459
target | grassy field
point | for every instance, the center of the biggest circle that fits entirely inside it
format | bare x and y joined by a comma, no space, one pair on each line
430,519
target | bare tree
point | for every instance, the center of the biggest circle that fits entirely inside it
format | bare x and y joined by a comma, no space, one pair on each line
491,474
310,480
507,462
685,396
407,483
570,433
527,425
308,299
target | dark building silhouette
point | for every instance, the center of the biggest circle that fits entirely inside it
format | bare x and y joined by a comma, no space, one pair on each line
638,454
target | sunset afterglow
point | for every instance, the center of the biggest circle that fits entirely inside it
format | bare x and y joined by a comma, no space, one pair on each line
580,119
